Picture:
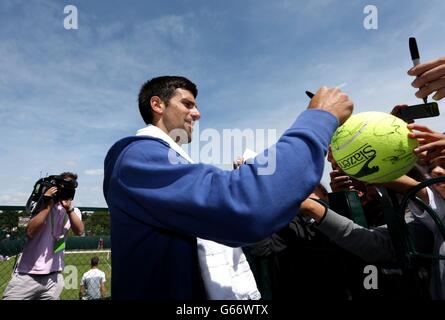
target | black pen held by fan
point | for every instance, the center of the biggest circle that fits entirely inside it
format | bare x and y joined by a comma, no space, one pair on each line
310,94
415,57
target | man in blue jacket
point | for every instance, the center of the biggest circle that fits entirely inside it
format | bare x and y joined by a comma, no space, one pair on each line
161,204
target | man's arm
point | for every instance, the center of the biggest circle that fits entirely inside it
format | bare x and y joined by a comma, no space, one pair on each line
82,287
75,221
234,208
297,232
403,184
372,245
36,223
103,290
82,291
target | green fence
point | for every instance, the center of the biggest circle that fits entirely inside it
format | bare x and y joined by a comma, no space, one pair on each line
79,250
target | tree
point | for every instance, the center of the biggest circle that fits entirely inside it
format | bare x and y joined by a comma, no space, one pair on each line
9,221
98,224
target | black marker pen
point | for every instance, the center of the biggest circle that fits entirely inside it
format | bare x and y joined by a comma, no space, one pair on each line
414,50
309,94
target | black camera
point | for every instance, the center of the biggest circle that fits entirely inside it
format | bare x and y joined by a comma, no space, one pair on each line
66,188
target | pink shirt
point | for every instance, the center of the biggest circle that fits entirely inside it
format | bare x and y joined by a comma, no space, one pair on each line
38,255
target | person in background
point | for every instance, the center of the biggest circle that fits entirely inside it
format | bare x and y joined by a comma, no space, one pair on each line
39,272
92,284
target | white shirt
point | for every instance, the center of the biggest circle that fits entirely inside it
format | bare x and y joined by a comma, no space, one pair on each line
91,281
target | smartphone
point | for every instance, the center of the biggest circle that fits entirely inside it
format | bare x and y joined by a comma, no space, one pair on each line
418,111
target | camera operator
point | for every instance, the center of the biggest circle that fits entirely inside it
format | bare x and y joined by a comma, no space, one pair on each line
38,274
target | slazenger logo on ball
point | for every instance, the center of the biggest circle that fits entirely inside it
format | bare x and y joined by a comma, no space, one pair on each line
360,157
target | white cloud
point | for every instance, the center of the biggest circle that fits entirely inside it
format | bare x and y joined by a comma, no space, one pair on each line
107,31
17,199
71,163
94,172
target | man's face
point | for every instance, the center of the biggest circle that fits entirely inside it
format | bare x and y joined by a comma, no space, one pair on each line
181,113
438,170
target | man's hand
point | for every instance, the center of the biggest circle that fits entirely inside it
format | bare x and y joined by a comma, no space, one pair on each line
66,204
340,181
334,101
432,144
431,78
50,192
238,162
76,224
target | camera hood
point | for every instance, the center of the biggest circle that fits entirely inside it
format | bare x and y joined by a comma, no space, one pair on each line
60,182
66,187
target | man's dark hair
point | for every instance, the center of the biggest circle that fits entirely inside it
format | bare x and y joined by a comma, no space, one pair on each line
69,175
94,261
163,87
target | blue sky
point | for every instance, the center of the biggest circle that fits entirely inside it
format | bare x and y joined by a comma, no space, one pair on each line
67,95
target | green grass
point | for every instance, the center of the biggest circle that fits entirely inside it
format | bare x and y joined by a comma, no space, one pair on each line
76,264
5,273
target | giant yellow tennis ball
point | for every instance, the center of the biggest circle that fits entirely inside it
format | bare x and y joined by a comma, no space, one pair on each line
374,147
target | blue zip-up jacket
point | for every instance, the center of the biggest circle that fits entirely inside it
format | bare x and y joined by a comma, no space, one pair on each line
158,209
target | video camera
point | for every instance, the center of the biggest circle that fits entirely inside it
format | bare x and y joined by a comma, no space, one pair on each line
66,189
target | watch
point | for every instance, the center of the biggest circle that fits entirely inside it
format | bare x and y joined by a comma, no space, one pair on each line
70,210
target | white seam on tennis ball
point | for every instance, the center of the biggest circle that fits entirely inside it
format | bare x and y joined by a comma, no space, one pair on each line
353,137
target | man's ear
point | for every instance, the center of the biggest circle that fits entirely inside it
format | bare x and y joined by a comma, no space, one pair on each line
157,105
